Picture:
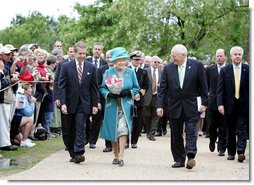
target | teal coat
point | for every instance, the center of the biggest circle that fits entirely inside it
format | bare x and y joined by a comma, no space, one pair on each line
109,126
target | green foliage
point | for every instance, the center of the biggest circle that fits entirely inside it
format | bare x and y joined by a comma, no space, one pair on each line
33,29
152,26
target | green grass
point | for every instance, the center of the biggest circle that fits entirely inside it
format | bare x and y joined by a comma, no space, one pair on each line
25,158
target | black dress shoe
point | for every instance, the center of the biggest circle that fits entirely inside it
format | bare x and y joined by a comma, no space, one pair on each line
152,138
191,163
79,158
72,160
9,148
93,146
212,146
134,146
107,149
158,134
231,157
241,158
221,153
178,165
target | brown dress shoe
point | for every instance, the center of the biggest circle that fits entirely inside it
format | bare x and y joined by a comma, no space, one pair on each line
241,158
79,159
191,163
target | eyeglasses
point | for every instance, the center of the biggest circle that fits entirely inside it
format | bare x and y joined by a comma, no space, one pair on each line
58,46
157,62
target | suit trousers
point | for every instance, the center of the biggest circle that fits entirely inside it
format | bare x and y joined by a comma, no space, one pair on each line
76,133
93,128
217,129
136,126
179,151
150,117
65,122
236,124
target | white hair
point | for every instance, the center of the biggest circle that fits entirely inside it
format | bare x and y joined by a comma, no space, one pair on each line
236,48
156,58
180,49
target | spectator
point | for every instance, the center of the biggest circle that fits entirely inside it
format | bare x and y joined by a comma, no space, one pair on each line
23,119
7,99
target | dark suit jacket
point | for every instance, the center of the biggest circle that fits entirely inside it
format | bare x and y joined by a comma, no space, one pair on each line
72,91
101,61
56,80
226,89
149,93
143,82
212,76
101,71
194,85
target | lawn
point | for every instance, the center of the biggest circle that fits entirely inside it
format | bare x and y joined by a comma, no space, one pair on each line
25,158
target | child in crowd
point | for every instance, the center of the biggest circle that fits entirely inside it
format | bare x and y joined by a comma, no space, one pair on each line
49,109
23,119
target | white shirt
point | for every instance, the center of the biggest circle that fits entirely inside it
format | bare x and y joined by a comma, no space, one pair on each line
220,66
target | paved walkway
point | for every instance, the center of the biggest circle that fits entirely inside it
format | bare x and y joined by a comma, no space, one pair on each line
151,161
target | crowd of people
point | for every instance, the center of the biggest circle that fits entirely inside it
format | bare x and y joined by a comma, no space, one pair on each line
120,96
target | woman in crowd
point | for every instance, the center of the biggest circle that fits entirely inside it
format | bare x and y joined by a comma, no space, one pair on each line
117,124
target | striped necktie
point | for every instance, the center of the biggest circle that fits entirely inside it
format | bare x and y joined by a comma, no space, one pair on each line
80,71
154,82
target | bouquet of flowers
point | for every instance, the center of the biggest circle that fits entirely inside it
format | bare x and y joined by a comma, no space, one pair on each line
114,84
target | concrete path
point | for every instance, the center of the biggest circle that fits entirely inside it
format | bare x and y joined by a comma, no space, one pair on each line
151,161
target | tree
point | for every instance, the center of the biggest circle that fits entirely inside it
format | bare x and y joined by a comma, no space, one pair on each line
32,29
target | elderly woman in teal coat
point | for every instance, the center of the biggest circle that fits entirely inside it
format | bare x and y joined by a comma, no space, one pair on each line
117,122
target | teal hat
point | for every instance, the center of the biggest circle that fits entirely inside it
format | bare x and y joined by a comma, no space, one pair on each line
117,53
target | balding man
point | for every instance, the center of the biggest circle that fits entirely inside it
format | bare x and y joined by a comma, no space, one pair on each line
184,80
216,120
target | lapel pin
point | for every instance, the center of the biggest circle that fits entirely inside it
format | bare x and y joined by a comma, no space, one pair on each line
189,67
88,73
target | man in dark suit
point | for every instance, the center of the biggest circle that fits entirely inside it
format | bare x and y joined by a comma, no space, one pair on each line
149,112
96,58
184,80
101,105
92,131
79,98
64,117
233,102
143,82
216,119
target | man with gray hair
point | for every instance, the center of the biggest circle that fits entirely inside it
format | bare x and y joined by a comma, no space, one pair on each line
184,80
7,100
149,112
233,103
